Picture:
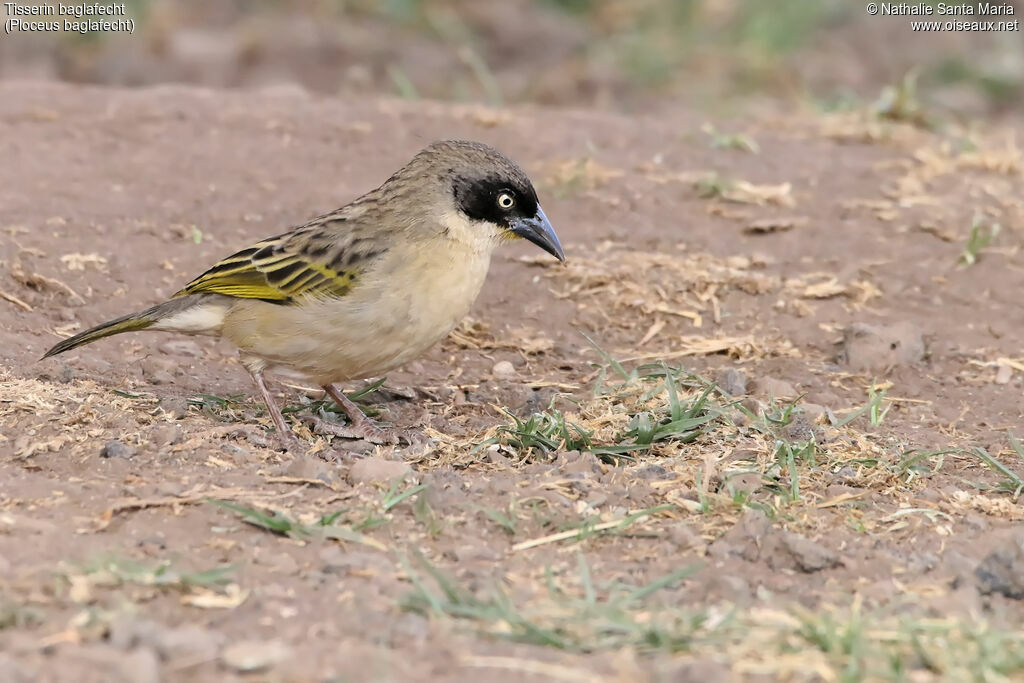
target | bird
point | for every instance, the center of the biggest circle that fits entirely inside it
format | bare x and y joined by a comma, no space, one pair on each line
362,290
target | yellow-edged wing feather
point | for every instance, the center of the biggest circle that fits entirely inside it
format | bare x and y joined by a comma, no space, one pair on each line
285,268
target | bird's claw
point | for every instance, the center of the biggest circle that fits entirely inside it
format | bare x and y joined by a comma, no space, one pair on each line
360,430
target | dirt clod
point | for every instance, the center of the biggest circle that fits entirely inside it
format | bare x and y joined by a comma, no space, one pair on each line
180,347
116,449
250,655
503,370
1002,570
868,347
772,387
808,555
376,470
732,381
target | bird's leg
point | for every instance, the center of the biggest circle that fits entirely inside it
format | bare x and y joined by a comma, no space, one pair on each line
284,434
359,426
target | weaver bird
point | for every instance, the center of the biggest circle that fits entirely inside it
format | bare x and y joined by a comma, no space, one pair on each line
364,289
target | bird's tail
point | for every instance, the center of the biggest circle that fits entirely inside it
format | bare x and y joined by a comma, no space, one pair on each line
196,314
127,323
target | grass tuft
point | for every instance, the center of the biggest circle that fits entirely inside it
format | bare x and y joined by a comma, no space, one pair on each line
326,527
980,237
598,618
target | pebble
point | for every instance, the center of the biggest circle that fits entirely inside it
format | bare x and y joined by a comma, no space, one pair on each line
753,405
166,435
880,347
175,406
771,387
1002,570
814,412
1004,373
374,470
684,537
116,449
313,468
652,473
158,370
809,556
180,347
574,462
732,381
188,642
66,375
254,655
800,428
503,369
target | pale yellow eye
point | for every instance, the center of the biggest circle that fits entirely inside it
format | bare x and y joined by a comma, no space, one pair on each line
506,201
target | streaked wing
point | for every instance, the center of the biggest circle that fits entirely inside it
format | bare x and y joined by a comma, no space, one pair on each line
282,269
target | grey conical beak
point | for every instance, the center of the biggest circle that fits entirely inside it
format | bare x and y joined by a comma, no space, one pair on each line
538,230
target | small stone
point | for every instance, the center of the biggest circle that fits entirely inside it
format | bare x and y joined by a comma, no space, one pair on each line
188,642
473,552
338,561
732,381
359,446
180,347
683,537
175,406
652,473
745,482
574,462
846,473
494,456
808,555
66,374
252,655
754,406
503,369
771,387
166,435
158,370
311,468
975,521
1004,373
922,563
814,412
374,470
697,669
116,449
881,347
800,428
127,632
1002,570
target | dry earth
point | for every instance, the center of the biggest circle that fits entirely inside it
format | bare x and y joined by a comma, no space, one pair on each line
867,532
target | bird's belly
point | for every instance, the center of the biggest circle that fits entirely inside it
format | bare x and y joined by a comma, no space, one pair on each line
377,327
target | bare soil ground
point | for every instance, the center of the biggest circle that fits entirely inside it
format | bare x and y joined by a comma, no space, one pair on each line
790,459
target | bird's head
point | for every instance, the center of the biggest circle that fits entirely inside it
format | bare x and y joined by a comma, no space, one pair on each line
488,194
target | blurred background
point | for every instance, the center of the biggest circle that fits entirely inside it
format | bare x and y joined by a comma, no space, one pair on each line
723,57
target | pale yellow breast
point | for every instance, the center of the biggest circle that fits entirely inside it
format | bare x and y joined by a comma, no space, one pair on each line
405,304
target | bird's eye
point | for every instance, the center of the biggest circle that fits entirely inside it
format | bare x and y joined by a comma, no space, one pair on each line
506,200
